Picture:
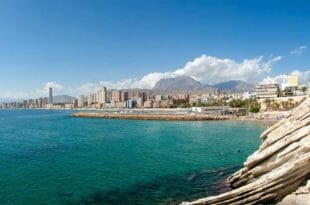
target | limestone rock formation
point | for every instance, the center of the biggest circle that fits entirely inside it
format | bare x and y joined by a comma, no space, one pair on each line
299,197
279,169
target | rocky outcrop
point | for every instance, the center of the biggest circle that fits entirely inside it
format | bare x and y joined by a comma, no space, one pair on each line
299,197
279,168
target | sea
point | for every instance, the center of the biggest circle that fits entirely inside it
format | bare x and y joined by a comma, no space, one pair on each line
48,157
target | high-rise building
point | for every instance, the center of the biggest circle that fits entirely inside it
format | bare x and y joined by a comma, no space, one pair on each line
292,80
101,95
116,96
90,99
81,101
50,99
40,102
25,104
124,96
44,102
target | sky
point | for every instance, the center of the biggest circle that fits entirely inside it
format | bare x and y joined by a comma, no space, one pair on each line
76,46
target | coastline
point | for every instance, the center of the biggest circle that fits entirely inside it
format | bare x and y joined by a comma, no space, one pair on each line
268,122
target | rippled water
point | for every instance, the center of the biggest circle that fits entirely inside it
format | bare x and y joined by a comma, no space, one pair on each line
47,157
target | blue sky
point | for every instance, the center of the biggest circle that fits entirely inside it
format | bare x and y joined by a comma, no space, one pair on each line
71,44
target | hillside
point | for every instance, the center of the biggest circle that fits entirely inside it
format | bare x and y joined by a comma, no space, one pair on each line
235,86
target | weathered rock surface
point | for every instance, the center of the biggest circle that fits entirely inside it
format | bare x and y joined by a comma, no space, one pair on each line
299,197
279,169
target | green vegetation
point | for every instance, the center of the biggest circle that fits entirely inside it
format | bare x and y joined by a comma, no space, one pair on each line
182,105
238,103
272,105
254,106
251,104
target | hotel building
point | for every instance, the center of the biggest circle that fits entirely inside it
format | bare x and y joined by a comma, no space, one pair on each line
267,91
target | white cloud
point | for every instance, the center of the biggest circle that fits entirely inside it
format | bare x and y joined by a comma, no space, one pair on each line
303,78
211,70
57,88
299,51
268,80
86,89
148,81
206,69
41,92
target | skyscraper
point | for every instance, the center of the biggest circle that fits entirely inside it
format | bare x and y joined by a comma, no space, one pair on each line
81,101
50,99
116,96
101,95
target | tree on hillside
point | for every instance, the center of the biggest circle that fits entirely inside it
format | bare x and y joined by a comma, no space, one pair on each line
237,103
254,106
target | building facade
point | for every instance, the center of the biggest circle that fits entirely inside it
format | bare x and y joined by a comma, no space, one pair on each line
116,96
81,101
50,95
101,95
267,91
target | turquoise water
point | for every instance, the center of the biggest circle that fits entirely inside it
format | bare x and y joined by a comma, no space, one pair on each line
47,157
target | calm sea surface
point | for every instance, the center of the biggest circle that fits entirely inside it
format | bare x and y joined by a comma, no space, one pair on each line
47,157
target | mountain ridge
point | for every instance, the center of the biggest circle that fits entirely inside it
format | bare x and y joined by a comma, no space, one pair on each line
185,83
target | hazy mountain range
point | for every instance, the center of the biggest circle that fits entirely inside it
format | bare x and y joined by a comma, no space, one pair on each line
185,83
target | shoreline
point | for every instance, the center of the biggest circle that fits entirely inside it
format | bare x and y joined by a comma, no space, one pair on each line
268,122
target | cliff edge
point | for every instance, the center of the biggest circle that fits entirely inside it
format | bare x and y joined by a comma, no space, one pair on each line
279,171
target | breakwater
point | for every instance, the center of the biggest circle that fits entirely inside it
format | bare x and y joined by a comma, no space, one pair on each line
172,117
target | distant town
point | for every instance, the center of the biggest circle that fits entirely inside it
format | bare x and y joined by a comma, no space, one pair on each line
266,96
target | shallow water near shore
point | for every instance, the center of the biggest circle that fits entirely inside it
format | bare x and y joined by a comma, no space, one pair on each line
48,157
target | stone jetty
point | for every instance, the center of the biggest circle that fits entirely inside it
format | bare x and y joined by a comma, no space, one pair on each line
172,117
279,171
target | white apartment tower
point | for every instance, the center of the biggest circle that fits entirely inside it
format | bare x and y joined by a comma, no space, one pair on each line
101,95
81,101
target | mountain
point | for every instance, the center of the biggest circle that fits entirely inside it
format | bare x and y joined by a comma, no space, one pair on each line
235,86
183,84
62,99
186,84
178,83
